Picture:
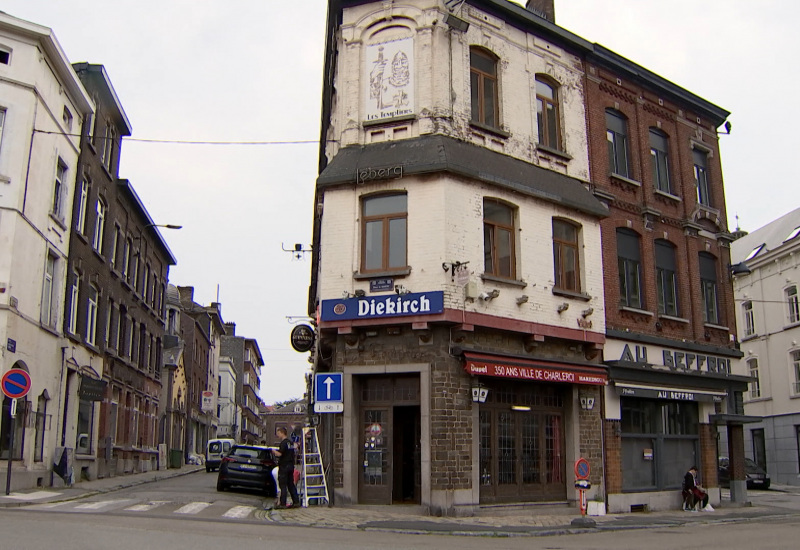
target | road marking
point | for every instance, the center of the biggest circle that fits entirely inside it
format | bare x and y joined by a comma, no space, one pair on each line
192,508
239,512
146,507
37,495
100,504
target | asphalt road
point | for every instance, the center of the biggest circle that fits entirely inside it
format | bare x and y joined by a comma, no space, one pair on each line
188,512
40,530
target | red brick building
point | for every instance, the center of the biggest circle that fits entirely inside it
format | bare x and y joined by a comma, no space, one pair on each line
670,324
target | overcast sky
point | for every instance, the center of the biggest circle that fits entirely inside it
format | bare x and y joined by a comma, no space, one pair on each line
251,70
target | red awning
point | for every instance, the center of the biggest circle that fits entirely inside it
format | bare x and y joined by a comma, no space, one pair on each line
533,369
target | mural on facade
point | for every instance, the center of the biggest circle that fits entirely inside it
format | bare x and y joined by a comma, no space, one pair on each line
389,79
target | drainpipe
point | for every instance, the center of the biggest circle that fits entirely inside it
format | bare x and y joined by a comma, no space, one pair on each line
28,167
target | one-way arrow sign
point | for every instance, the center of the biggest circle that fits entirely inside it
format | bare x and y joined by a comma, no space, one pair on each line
328,392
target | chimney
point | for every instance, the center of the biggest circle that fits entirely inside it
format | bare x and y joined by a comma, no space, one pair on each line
186,293
230,329
545,9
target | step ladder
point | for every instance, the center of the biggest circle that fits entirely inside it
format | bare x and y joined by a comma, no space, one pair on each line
315,487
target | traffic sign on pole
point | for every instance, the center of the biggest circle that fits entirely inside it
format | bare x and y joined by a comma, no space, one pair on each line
16,383
328,392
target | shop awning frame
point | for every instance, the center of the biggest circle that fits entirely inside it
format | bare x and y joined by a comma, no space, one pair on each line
533,370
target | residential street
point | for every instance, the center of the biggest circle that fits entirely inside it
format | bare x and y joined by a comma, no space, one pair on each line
182,509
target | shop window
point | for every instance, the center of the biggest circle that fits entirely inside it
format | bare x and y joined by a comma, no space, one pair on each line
83,441
384,233
708,288
498,239
666,279
617,138
659,439
629,264
565,256
483,88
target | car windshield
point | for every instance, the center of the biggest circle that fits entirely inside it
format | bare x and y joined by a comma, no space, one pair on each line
750,464
249,452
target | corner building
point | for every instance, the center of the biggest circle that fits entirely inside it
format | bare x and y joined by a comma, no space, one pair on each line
457,273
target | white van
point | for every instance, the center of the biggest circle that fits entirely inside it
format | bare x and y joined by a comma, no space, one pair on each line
215,450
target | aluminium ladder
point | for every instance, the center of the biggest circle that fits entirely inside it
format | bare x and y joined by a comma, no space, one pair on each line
315,487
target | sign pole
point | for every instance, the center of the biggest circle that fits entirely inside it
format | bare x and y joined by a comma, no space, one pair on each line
12,416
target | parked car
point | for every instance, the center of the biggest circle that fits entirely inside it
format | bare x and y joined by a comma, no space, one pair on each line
248,466
215,450
757,477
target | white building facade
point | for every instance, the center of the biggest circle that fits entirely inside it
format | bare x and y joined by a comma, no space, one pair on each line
42,108
768,321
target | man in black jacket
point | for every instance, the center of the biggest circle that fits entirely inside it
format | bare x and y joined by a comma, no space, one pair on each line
285,454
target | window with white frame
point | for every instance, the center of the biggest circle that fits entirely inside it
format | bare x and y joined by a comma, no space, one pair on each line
796,372
80,208
755,383
794,304
91,316
749,319
72,321
99,226
48,314
59,189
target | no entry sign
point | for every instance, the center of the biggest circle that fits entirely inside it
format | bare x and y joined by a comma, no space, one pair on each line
16,383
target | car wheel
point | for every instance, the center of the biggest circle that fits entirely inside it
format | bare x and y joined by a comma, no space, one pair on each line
209,469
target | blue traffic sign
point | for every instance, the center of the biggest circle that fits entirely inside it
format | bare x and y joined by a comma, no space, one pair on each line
16,383
328,387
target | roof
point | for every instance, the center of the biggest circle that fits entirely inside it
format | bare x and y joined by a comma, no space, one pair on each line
767,238
61,66
438,153
106,89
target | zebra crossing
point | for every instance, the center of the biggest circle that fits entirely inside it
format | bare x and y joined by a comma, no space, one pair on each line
224,510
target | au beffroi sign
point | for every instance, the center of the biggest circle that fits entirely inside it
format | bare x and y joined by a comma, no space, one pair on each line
651,356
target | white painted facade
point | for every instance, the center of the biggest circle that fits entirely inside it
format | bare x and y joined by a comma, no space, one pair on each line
444,211
44,106
442,76
771,341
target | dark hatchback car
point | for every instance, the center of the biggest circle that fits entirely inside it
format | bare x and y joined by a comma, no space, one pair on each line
248,466
757,478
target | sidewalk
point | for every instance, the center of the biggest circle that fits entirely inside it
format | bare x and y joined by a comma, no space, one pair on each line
88,488
531,521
